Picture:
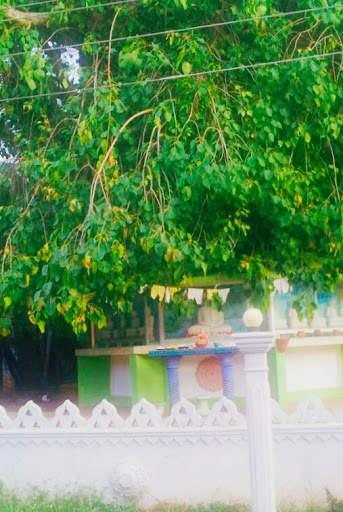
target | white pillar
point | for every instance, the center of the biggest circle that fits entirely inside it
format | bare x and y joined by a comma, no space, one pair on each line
254,346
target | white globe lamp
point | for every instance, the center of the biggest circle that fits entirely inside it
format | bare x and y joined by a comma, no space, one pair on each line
252,319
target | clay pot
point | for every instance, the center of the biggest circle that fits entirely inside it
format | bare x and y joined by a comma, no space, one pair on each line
282,344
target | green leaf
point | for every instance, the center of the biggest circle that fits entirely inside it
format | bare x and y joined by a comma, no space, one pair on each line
50,308
39,73
47,288
7,302
41,326
99,253
186,68
36,296
261,10
119,105
307,137
31,83
157,121
168,116
102,322
121,250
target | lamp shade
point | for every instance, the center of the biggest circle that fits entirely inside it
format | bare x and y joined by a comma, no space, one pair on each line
252,318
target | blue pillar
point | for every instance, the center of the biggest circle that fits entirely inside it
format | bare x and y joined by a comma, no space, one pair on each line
172,364
226,361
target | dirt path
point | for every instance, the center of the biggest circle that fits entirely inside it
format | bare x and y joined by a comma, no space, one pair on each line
49,403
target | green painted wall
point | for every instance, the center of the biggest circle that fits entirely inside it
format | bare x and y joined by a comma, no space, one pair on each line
148,379
277,373
278,382
94,379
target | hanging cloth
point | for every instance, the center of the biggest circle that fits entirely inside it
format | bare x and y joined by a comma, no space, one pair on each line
195,294
170,291
158,292
223,293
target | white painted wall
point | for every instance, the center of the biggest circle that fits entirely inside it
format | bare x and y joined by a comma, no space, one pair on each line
120,376
313,367
308,460
189,385
200,459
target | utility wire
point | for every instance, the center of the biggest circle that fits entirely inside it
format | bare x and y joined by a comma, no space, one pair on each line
4,7
176,77
30,15
176,30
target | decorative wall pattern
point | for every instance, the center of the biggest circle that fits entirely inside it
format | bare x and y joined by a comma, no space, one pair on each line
209,374
224,413
128,479
179,457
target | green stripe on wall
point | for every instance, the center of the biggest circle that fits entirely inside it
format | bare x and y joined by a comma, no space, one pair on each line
148,379
94,379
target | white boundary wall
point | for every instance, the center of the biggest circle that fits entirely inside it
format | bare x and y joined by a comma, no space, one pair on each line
182,458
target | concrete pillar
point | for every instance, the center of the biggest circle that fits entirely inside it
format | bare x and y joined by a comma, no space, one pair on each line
254,346
172,364
226,361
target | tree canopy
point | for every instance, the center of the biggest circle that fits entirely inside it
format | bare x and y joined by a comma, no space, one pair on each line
121,177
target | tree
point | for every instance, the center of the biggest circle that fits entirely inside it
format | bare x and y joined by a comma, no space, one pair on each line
121,180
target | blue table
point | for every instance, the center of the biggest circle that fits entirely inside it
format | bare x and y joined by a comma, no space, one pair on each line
172,360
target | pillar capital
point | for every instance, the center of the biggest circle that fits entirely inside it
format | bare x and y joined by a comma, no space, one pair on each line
253,342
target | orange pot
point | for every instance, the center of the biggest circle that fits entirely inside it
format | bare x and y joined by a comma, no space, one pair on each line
282,344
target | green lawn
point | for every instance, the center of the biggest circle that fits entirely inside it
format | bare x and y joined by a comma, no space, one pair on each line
41,502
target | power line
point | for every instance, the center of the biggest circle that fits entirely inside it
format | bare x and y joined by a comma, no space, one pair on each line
31,15
177,30
176,77
4,7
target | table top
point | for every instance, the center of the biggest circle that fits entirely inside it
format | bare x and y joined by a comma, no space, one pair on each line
151,349
115,351
171,352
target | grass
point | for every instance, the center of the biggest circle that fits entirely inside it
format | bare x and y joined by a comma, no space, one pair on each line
43,502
